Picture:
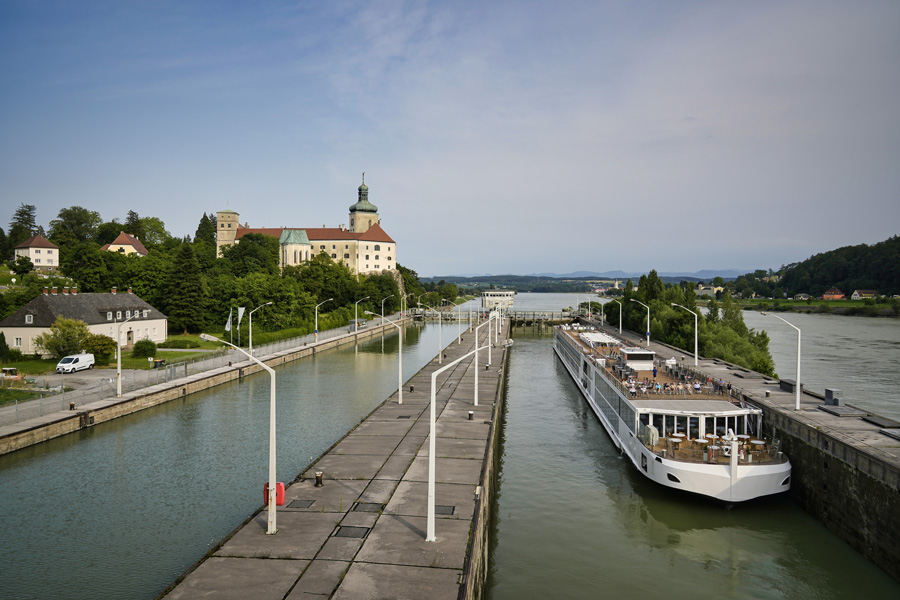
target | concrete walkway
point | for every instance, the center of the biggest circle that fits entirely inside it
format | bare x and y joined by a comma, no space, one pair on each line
362,535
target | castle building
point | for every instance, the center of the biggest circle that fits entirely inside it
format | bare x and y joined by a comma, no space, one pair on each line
363,246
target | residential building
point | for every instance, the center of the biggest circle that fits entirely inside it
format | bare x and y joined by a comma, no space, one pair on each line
42,253
126,244
861,294
101,312
363,246
833,294
802,296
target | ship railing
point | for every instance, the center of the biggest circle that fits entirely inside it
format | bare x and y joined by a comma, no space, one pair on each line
688,450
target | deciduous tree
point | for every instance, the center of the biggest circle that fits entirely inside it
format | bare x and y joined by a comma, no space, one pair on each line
66,336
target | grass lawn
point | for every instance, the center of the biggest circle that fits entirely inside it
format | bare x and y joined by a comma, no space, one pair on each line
130,362
196,338
35,367
8,396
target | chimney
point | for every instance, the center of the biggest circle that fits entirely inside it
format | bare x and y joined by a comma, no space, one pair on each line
53,290
65,290
74,291
46,291
113,290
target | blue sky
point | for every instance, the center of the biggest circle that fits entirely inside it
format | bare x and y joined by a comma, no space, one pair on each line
497,137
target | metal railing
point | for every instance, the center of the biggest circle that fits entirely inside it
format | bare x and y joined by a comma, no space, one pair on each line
55,398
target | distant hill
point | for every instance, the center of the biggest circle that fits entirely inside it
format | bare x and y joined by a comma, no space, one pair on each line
862,267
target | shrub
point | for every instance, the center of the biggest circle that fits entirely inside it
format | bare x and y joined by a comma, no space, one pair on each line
180,344
101,346
144,349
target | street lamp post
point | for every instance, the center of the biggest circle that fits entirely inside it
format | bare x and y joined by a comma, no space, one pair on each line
356,313
382,307
251,324
696,331
119,354
399,358
458,322
440,337
797,401
648,319
429,534
621,310
488,322
272,476
317,316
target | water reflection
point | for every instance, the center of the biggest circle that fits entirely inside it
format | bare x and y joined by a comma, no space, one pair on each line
576,520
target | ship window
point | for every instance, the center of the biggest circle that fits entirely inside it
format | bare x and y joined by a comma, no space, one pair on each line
644,461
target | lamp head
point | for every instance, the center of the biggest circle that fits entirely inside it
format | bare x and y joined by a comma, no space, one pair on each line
764,313
208,338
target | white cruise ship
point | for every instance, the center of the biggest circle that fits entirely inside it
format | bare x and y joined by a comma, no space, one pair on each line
680,437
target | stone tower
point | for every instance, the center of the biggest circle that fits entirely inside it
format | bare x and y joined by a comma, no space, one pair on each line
363,214
226,229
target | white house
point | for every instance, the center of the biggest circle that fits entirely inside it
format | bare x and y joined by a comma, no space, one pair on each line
42,253
101,312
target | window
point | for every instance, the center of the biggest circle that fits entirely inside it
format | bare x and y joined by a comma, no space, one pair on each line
154,331
333,255
346,255
229,225
18,342
367,257
37,261
389,258
367,247
29,319
37,250
376,257
377,267
118,314
109,316
127,314
322,247
333,247
49,251
377,247
346,246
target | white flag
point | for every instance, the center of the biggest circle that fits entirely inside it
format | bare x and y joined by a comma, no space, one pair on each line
228,324
241,310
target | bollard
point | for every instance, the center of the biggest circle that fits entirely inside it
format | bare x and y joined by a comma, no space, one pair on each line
71,406
319,476
471,414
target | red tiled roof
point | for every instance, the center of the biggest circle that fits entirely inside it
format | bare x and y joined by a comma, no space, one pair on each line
318,234
376,234
37,241
123,239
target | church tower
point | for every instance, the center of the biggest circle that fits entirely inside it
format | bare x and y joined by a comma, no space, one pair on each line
363,214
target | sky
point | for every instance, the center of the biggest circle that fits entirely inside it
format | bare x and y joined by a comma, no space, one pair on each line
496,137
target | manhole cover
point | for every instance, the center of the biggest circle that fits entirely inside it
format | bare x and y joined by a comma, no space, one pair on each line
368,507
443,510
351,532
301,504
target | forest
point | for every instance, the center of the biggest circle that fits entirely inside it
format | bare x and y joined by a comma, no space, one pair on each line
185,279
722,331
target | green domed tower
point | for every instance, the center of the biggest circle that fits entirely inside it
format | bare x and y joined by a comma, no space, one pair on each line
363,214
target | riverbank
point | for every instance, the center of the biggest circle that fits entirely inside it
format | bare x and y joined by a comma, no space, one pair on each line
362,533
63,422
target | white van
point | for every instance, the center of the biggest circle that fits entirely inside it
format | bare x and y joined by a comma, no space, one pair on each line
76,362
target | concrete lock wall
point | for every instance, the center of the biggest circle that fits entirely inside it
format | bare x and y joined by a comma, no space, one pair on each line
854,493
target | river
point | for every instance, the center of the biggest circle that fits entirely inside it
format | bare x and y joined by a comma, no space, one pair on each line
120,510
575,520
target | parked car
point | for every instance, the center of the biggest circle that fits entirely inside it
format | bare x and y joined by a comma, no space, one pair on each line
76,362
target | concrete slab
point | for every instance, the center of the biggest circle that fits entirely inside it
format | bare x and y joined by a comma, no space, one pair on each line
339,548
456,448
347,466
300,535
360,519
376,582
357,443
320,577
335,496
237,578
395,428
446,470
477,430
379,490
395,467
400,540
411,499
409,445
